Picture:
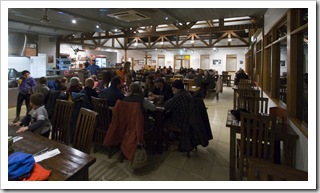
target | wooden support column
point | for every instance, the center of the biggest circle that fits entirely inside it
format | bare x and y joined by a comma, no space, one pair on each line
58,47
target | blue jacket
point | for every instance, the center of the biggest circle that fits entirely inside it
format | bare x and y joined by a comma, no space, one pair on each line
93,69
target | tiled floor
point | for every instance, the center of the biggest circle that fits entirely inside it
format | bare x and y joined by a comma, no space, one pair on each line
205,164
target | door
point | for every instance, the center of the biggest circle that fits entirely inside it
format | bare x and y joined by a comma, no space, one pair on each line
205,62
231,63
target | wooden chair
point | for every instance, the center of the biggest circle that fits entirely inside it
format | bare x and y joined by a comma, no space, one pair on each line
245,84
261,170
84,131
256,105
61,121
281,117
241,93
256,140
102,108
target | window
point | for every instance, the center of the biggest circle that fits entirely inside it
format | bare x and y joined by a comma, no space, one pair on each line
283,72
302,89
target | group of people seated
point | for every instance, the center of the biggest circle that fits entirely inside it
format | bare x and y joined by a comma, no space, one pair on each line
156,94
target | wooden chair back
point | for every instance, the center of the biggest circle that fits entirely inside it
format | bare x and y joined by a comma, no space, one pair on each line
245,84
261,170
100,105
256,140
280,114
281,117
256,105
61,121
86,124
241,93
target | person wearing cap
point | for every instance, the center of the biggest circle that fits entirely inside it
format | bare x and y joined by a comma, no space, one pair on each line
162,89
26,85
178,105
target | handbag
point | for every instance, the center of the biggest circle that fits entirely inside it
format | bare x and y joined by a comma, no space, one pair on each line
140,158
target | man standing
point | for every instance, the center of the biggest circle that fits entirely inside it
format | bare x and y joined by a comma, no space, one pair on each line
93,68
26,86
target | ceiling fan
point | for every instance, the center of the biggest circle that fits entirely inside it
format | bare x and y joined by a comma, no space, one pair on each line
76,50
45,18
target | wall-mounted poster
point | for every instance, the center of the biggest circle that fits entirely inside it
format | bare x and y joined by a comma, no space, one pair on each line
216,61
282,63
31,50
50,59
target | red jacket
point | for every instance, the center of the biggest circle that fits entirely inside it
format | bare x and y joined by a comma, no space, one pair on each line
126,127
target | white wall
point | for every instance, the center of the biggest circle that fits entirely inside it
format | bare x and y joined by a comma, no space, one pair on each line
220,53
271,16
47,47
19,63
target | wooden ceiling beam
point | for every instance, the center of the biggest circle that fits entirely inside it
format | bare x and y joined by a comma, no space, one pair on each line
220,38
177,32
240,38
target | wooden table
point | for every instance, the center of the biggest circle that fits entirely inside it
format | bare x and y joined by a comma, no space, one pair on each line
289,149
71,164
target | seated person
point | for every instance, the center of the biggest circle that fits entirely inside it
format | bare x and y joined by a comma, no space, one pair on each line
208,82
240,74
42,86
127,82
178,105
88,89
149,86
75,86
190,75
162,89
96,82
112,93
37,119
136,95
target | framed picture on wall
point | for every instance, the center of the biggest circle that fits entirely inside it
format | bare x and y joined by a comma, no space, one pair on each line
50,59
216,61
282,63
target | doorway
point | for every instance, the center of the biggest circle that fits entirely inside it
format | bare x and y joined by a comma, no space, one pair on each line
205,62
181,61
231,63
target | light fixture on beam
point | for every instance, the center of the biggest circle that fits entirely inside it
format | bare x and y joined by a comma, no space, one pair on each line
74,20
229,37
136,43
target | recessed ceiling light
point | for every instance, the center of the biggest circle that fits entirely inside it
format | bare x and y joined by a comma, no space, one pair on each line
97,26
74,21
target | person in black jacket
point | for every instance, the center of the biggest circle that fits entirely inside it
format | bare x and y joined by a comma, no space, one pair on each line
162,89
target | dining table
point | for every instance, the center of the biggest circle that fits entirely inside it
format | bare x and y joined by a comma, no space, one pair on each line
288,136
68,165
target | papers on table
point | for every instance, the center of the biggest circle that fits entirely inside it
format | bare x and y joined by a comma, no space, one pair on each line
46,155
17,138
